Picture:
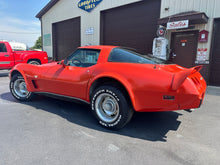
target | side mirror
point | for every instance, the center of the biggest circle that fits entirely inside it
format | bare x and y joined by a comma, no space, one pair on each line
63,64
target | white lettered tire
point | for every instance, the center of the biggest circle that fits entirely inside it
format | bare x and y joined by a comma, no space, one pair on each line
111,107
18,88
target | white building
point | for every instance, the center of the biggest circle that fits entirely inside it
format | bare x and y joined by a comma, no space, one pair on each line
67,24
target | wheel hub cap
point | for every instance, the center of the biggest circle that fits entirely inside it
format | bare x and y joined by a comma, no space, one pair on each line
20,88
107,108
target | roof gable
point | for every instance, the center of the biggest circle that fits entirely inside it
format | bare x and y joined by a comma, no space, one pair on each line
46,8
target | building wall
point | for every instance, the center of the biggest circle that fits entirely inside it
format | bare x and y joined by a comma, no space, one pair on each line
210,7
68,9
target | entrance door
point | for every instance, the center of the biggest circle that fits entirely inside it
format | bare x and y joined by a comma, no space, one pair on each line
184,48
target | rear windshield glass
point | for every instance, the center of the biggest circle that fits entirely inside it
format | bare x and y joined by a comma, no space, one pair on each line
129,56
3,47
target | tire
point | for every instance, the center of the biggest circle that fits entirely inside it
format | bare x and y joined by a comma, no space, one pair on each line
18,88
34,62
111,108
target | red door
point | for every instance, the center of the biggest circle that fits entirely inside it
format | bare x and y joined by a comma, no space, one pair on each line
69,81
184,48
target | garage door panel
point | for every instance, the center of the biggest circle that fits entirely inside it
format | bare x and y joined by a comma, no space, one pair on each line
215,62
132,25
66,37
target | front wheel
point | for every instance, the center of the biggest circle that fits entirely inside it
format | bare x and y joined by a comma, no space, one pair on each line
18,88
110,106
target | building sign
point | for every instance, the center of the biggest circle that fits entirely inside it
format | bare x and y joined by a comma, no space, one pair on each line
47,40
90,31
161,31
202,56
88,5
178,24
203,36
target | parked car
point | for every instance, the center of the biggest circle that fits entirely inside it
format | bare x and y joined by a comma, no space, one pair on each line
10,57
115,81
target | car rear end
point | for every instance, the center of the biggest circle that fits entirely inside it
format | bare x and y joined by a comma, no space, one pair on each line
191,93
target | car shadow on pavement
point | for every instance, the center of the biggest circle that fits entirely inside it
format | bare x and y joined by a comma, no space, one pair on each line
146,126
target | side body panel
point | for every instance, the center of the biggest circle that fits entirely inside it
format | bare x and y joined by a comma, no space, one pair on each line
68,81
148,85
145,84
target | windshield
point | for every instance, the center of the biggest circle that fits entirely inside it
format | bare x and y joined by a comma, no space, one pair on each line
128,56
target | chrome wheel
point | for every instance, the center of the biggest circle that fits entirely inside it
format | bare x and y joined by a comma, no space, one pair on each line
107,108
20,88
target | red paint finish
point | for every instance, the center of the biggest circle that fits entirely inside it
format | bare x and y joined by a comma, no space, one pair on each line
10,58
146,84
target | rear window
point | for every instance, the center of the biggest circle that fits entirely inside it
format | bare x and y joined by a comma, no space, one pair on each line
3,47
128,56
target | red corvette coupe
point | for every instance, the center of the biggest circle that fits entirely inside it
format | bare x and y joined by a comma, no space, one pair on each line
115,81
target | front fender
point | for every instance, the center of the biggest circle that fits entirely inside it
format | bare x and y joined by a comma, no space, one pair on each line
20,69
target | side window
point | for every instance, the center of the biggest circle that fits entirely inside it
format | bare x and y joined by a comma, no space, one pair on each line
3,47
128,56
83,58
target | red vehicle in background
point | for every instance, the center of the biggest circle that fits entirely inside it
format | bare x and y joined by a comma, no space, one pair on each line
10,58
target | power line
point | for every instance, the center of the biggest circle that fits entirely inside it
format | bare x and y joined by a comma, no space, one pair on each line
18,32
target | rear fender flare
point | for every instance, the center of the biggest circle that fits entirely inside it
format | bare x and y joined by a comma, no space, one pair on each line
28,57
117,77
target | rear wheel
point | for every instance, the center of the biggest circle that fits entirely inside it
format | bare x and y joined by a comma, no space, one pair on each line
110,106
34,62
18,88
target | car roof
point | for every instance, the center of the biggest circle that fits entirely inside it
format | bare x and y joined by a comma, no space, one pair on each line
98,47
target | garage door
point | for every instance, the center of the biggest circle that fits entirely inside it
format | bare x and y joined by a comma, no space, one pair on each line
66,38
215,61
132,25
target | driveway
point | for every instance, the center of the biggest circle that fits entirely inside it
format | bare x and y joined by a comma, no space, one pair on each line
50,131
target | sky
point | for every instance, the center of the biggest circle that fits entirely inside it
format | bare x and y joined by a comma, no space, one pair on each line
18,22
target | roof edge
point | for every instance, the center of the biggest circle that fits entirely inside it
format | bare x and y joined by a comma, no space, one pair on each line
194,17
46,8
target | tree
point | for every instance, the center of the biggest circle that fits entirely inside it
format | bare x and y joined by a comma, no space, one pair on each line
37,44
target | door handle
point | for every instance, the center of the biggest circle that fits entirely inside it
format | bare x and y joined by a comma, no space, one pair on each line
6,55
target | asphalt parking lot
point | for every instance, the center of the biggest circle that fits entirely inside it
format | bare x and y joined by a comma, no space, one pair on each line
50,131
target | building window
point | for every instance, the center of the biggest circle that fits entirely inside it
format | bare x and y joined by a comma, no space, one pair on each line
3,47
